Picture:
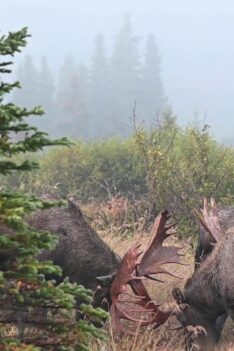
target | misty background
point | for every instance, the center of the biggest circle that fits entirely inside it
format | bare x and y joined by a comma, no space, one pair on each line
90,63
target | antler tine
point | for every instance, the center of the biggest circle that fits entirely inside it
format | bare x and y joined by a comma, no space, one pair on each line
156,255
213,203
208,217
169,226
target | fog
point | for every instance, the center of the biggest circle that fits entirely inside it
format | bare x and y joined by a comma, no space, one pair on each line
194,39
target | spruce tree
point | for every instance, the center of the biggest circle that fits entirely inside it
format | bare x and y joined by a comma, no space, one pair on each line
152,100
70,102
83,73
46,90
40,314
27,74
99,89
125,76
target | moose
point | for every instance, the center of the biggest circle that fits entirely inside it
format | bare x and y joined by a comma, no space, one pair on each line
81,253
208,296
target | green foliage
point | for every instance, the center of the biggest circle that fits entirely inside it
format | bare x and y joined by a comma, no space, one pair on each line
97,170
183,166
167,166
43,314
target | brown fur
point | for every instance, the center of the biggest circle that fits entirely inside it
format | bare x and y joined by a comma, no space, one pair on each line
80,252
209,293
205,246
206,243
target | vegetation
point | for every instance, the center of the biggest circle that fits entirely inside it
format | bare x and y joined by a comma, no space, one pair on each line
167,166
35,313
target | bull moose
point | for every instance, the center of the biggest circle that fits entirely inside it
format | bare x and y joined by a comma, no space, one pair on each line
81,253
83,256
208,296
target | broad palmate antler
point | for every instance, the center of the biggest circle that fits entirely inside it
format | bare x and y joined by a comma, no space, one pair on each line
208,217
136,266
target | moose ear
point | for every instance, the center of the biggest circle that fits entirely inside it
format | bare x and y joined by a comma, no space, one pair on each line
106,280
178,296
73,205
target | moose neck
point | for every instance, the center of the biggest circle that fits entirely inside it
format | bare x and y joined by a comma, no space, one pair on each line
202,290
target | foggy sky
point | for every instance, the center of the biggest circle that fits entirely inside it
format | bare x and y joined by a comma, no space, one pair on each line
195,39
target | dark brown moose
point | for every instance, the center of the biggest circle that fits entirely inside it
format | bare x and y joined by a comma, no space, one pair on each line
208,296
83,256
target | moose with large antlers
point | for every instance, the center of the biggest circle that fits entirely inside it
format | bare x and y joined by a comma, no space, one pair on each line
208,296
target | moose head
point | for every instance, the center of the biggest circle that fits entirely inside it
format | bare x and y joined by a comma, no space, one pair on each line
201,306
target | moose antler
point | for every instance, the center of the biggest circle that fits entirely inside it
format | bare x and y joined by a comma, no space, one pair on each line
156,255
133,269
158,317
208,217
119,286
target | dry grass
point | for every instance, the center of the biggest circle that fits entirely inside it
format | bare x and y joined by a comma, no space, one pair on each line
161,339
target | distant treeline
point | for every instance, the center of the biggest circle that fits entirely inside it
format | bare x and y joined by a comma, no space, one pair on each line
99,99
166,167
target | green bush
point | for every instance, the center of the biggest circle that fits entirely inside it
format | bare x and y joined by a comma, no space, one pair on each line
97,170
167,166
183,166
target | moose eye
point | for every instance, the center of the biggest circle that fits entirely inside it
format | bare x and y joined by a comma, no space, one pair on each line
62,231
